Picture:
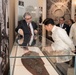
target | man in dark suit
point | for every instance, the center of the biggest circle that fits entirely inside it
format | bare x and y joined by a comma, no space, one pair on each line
63,25
27,29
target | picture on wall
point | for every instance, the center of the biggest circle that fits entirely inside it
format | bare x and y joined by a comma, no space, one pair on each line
21,3
59,8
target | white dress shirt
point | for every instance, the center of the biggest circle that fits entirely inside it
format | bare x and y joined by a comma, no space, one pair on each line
62,44
61,25
73,33
61,39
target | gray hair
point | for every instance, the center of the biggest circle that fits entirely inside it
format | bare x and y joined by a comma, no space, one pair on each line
25,14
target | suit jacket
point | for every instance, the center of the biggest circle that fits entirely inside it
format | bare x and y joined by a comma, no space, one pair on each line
65,26
69,29
27,34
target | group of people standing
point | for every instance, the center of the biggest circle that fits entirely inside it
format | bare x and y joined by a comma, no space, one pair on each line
63,35
70,27
65,26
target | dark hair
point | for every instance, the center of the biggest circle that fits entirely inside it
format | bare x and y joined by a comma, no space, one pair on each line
75,15
62,18
48,21
71,20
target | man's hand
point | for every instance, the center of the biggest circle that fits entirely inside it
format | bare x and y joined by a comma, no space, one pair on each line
21,35
35,31
74,51
48,49
20,31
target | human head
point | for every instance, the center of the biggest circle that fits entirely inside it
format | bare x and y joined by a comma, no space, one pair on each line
70,22
27,17
48,23
61,20
75,17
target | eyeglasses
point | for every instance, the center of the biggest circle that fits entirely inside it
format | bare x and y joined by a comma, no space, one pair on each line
28,18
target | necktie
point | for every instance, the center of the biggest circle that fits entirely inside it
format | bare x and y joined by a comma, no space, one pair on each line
29,28
30,33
